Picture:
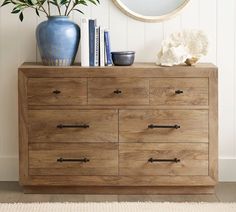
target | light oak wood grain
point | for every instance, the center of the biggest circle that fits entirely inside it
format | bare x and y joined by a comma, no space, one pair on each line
117,107
132,91
213,127
195,91
103,126
134,125
103,159
225,192
23,128
121,190
124,119
48,91
138,70
137,180
133,159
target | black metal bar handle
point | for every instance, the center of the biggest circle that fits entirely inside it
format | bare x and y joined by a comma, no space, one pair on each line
61,126
175,160
179,92
56,92
117,91
153,126
83,160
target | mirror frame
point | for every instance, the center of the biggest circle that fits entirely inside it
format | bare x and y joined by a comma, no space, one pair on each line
144,18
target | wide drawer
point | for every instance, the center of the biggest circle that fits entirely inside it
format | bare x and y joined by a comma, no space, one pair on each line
118,91
73,126
163,159
73,159
57,91
163,125
179,91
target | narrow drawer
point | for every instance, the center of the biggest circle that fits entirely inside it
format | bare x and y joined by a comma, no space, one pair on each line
57,91
73,159
179,91
163,159
163,125
73,126
118,91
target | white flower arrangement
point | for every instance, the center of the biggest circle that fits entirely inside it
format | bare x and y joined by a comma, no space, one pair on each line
181,47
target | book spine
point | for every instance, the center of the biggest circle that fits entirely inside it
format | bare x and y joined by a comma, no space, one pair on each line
108,48
84,42
92,25
97,42
102,47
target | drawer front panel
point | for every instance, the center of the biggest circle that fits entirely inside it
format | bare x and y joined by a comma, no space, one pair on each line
163,126
73,126
118,91
179,91
163,159
73,159
56,91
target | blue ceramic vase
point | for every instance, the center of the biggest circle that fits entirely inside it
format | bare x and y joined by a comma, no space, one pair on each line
58,40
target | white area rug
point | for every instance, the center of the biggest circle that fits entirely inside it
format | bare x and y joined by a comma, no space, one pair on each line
119,207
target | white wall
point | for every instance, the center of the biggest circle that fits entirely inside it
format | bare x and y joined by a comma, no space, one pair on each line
216,17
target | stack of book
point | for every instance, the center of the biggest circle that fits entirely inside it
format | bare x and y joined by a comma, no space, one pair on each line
95,44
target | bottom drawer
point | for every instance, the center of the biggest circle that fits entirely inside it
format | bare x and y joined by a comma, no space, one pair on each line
163,159
73,159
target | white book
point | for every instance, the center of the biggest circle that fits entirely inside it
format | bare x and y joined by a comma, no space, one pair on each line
97,45
84,42
102,47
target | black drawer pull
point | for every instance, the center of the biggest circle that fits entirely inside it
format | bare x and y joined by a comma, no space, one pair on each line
179,92
152,126
83,160
175,160
56,92
61,126
117,91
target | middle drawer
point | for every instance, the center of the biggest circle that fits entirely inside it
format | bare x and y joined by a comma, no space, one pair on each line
163,125
73,126
118,91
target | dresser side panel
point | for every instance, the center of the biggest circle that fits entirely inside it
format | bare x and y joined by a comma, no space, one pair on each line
213,125
23,127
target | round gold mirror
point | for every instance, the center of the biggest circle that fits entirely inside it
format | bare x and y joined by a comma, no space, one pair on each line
151,10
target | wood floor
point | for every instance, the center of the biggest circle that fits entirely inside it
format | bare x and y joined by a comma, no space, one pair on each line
11,192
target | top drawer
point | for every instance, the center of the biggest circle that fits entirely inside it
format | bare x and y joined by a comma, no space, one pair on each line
118,91
57,91
179,91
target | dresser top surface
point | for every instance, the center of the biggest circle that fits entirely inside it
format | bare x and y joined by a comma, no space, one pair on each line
136,70
32,65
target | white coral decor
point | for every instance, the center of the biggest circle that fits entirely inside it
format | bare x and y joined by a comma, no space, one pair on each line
180,46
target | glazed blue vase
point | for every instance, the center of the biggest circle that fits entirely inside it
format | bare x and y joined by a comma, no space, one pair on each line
58,40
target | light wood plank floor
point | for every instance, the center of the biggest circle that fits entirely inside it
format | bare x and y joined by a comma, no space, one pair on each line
11,192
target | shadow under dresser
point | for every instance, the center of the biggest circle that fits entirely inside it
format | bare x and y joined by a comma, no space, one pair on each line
142,129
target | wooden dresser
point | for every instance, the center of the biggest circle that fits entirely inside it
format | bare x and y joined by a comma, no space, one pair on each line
142,129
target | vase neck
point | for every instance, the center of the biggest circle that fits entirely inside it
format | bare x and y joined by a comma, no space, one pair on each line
58,17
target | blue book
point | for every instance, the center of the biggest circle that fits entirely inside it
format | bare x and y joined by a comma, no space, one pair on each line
92,26
108,58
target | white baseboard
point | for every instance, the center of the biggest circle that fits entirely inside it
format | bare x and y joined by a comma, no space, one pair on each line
227,169
9,169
